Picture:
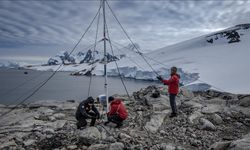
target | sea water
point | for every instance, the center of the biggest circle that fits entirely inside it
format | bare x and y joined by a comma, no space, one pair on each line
15,85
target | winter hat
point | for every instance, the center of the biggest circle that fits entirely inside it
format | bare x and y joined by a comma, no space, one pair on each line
174,68
90,100
111,98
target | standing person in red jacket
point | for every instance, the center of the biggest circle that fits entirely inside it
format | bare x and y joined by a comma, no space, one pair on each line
117,112
173,89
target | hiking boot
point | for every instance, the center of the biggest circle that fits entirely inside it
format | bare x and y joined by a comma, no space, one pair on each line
118,125
81,125
78,125
92,123
173,115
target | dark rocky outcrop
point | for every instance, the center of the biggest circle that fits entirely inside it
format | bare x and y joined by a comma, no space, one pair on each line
231,35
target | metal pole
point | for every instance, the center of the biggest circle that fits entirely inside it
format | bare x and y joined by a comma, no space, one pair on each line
105,55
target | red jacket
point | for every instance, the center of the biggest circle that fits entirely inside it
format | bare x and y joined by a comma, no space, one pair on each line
117,107
173,84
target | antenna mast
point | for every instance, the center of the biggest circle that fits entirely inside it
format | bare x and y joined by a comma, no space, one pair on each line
105,53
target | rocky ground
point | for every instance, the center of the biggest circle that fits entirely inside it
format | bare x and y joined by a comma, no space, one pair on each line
206,120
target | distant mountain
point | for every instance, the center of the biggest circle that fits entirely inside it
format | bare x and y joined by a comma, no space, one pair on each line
219,59
62,57
80,58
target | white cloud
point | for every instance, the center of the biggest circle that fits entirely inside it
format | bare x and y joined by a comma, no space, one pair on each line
152,24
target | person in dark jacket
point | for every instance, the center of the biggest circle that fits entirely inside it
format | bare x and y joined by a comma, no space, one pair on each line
173,89
86,110
117,112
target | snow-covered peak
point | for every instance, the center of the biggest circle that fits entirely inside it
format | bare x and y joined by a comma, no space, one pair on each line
222,63
80,57
61,57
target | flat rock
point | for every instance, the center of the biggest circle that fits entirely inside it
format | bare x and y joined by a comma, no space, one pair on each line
245,102
26,119
220,145
29,142
244,110
110,139
194,116
45,103
56,125
195,142
116,146
89,135
192,104
216,101
212,108
48,131
45,111
72,147
159,104
59,116
216,119
164,146
98,147
66,106
241,144
156,121
52,118
124,136
207,125
8,145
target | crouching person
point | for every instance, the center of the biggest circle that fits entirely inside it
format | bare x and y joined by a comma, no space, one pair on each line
86,110
118,112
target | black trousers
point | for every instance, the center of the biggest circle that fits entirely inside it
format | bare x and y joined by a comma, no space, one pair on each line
81,120
115,119
173,103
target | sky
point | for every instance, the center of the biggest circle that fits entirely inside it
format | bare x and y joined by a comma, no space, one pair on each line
34,30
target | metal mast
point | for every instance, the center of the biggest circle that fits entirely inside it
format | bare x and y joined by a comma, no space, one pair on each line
105,54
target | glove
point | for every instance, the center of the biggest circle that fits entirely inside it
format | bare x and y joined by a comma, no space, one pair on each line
159,78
